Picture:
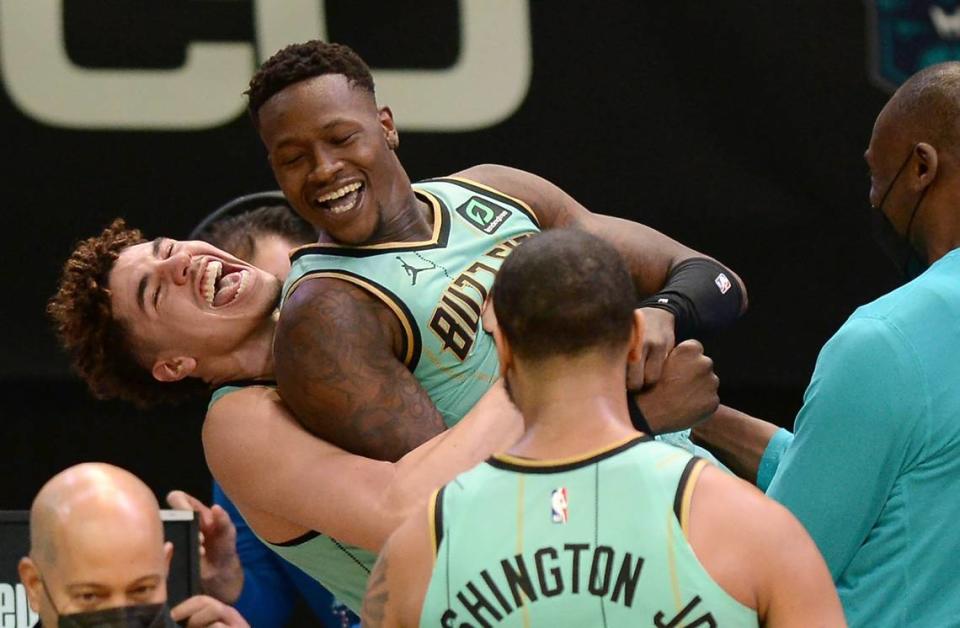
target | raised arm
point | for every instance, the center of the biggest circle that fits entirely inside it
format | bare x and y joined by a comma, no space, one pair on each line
399,580
287,482
685,296
338,366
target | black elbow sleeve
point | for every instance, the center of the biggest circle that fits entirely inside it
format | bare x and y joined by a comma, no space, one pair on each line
701,295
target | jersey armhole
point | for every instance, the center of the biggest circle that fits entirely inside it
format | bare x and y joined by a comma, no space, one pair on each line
684,494
435,520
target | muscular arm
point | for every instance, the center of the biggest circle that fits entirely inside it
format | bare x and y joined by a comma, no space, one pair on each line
337,363
286,481
650,256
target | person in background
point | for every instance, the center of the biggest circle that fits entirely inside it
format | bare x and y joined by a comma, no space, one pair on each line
98,557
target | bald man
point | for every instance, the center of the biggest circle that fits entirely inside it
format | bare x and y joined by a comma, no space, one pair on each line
97,556
873,472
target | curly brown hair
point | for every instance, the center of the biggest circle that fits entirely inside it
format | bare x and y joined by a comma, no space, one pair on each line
99,345
299,62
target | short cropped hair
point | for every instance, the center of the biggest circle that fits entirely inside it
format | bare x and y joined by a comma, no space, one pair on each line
927,106
299,62
238,234
564,292
99,345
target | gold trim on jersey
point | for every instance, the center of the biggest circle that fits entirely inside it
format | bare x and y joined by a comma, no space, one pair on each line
432,523
672,561
691,483
494,190
534,464
439,216
375,290
521,485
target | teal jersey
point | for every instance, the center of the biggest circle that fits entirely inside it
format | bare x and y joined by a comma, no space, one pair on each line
595,540
341,568
437,288
873,472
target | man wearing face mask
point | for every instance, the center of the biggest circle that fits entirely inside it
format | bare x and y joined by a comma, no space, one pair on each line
874,469
97,556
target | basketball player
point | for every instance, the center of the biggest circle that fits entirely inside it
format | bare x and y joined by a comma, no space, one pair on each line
135,317
400,277
586,522
98,558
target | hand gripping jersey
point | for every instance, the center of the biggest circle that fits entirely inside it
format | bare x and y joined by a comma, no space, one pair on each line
597,540
341,568
437,288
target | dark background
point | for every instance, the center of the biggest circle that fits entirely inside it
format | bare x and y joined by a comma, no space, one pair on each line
737,128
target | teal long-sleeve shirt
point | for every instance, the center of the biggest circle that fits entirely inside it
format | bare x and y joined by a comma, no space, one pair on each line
873,471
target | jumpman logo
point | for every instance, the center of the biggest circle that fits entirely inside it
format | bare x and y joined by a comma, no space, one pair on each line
413,271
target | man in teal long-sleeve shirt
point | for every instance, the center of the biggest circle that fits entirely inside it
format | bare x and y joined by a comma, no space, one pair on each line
874,469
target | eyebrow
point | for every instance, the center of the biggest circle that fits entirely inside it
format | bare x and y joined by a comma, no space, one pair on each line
142,286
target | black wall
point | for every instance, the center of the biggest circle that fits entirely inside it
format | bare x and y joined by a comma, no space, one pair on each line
735,127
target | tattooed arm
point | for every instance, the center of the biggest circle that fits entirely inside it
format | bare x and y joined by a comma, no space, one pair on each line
338,365
650,255
399,580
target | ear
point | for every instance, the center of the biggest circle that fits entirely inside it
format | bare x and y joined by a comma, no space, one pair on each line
635,352
173,369
389,129
928,162
30,577
504,352
168,553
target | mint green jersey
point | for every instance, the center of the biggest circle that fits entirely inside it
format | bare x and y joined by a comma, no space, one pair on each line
437,288
341,568
596,540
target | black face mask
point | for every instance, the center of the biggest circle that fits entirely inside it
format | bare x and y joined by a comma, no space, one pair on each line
137,616
897,247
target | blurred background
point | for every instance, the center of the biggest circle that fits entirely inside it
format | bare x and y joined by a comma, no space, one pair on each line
737,128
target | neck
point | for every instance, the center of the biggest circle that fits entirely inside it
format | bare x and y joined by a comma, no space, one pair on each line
408,220
942,233
571,407
252,359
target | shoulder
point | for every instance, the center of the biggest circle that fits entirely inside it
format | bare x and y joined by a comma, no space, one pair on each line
871,343
325,308
240,414
551,205
730,514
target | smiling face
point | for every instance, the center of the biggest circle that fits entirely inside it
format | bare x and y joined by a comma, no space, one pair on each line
188,299
332,153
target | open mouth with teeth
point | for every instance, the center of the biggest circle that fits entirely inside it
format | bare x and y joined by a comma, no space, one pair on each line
340,200
222,283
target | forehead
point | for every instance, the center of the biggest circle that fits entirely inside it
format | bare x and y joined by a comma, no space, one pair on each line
883,135
109,552
312,103
123,281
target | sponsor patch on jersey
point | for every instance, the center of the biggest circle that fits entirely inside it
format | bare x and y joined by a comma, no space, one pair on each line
722,282
907,36
558,505
484,215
